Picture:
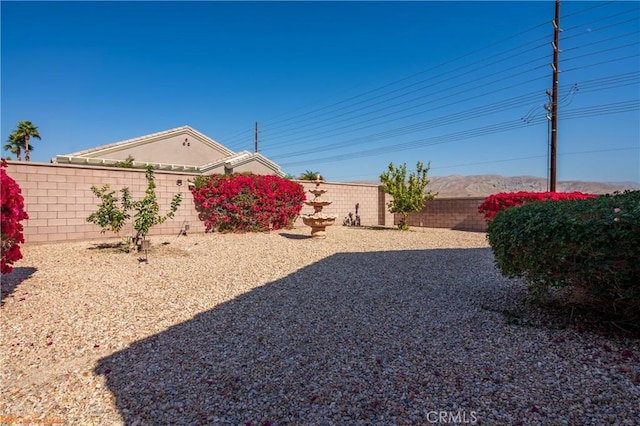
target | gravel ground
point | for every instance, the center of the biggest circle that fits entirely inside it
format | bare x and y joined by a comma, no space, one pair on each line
366,327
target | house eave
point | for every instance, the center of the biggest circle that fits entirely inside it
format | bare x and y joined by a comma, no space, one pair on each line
107,162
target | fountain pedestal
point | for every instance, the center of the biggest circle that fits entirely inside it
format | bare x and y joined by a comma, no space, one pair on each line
318,221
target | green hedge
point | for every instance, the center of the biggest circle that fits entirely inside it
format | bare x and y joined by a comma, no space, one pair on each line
590,246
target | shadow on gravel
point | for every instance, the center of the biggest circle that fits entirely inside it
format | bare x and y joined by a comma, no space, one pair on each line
346,339
116,245
12,280
294,236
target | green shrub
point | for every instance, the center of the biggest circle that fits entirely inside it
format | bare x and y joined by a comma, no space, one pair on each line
112,218
590,247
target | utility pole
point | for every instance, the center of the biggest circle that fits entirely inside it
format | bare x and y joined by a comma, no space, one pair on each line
553,108
255,149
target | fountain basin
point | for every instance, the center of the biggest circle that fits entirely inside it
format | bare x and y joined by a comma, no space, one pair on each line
318,223
318,203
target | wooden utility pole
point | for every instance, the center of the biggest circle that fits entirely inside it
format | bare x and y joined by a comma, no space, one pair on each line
255,149
554,99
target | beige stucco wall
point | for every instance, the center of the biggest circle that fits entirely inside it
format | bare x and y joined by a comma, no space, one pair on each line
252,166
58,199
168,150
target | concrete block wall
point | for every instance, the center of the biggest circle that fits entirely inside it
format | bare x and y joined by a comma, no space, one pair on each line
58,199
452,213
344,197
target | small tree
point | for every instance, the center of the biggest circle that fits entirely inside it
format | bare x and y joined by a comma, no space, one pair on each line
112,218
408,196
148,210
109,216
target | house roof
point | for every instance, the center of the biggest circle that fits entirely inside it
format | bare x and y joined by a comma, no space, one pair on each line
239,159
100,155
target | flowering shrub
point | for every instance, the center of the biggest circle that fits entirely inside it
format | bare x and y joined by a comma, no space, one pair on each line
12,213
589,247
247,202
502,201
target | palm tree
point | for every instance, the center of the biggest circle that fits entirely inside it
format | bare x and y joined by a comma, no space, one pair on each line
25,131
309,175
15,144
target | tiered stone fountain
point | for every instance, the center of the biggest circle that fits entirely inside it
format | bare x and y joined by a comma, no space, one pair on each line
318,221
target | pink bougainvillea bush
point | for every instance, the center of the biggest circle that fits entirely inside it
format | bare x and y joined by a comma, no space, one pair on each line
12,213
497,202
247,202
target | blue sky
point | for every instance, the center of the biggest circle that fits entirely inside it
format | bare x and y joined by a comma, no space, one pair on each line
342,88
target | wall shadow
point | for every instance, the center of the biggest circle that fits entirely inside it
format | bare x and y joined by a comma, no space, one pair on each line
12,280
302,349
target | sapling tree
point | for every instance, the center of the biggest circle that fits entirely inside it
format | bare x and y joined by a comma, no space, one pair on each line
148,211
111,217
408,195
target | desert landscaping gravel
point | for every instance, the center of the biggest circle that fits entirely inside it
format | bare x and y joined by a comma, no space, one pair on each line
366,327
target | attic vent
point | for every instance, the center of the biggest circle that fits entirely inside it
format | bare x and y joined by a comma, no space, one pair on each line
186,142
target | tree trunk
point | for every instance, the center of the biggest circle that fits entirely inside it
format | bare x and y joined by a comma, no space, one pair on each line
26,148
403,222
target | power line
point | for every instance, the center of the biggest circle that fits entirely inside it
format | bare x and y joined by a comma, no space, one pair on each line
513,159
459,117
339,130
384,94
505,160
412,75
613,108
403,103
248,131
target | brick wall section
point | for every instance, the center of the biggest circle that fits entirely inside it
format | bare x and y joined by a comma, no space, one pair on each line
58,199
452,213
344,197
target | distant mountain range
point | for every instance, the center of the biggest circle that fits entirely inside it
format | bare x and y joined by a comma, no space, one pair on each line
484,185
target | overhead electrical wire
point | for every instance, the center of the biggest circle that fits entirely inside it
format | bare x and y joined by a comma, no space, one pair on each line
577,12
341,129
458,117
619,107
316,135
339,119
307,129
314,111
509,160
464,56
600,19
432,81
425,102
504,160
447,77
